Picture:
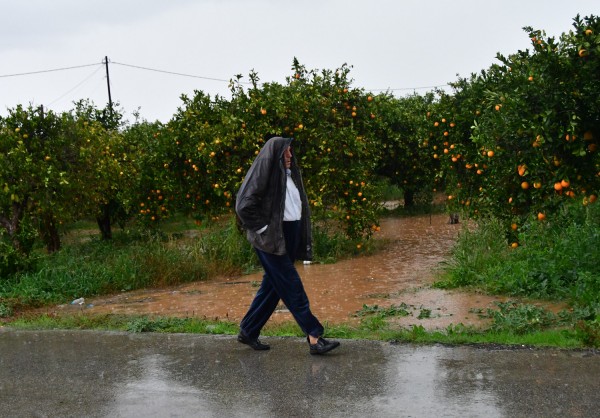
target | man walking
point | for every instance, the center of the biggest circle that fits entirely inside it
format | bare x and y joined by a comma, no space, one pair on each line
273,209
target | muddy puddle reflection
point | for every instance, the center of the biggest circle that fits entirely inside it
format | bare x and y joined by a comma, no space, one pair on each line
402,273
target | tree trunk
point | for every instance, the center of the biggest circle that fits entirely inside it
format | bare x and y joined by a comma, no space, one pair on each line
104,222
13,225
409,198
50,233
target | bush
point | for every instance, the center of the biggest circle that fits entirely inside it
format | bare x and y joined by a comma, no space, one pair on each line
11,261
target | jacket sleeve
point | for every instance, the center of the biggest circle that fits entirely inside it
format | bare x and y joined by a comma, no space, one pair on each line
249,204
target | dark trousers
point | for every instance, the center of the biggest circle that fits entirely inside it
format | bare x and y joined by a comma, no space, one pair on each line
281,281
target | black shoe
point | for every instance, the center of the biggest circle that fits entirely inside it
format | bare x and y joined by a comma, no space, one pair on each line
255,344
322,346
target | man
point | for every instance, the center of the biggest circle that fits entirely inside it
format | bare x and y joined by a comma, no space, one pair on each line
273,208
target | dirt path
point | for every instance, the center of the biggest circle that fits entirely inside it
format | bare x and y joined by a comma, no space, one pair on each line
402,274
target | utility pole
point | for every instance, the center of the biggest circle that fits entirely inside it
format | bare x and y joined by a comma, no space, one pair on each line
108,83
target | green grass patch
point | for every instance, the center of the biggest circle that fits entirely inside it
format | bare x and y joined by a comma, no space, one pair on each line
454,334
557,260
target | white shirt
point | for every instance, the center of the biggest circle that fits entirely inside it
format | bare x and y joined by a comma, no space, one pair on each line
293,204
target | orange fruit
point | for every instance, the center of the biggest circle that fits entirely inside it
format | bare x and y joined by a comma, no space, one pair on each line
582,52
558,186
490,153
514,245
541,216
593,198
564,183
537,185
514,227
521,169
525,185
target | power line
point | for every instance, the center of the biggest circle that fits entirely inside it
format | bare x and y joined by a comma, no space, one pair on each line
47,71
139,67
172,72
78,84
410,88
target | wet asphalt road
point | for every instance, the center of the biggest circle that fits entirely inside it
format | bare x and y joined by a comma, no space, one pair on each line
108,374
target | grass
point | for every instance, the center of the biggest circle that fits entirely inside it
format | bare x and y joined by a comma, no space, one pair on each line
455,334
556,261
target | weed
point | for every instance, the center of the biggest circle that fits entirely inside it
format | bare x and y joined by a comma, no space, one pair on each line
520,318
424,314
376,310
6,310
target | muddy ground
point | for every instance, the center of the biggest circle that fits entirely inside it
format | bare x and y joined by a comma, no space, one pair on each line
402,274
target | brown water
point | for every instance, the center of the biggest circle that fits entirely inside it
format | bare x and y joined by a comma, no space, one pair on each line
402,273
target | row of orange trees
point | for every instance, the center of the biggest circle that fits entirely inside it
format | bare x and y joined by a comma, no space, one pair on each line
517,139
56,169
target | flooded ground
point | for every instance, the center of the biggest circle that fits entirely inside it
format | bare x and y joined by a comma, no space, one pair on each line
401,274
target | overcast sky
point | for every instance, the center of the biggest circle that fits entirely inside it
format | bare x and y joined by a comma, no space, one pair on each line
400,45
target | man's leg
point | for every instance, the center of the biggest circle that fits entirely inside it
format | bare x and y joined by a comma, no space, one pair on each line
286,282
262,307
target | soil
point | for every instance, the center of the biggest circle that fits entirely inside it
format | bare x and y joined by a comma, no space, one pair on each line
402,274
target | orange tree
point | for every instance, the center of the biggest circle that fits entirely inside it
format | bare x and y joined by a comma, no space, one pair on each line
525,131
213,143
112,163
148,193
48,172
200,157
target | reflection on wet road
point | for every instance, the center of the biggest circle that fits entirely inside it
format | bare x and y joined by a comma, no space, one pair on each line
107,374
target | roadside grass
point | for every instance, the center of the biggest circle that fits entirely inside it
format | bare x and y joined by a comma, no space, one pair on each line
452,335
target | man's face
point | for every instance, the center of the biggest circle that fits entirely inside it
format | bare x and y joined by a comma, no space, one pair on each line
287,157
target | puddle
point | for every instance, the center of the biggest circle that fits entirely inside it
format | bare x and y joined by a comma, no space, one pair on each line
402,273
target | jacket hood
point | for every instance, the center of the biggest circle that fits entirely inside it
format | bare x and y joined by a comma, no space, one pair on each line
274,147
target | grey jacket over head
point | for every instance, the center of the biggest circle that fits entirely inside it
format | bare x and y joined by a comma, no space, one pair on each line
261,199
